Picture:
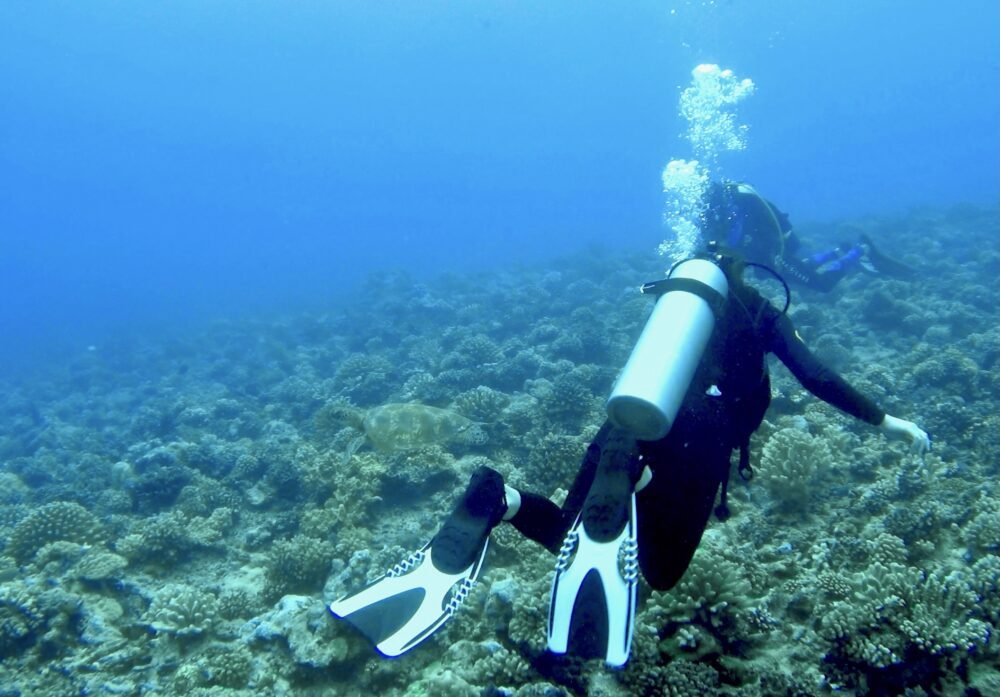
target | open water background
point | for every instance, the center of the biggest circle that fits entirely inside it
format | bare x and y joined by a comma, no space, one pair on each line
162,165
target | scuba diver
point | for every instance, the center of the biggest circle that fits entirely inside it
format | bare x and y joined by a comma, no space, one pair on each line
694,389
746,221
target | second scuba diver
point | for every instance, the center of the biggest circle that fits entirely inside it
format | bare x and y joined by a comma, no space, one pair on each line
695,388
743,220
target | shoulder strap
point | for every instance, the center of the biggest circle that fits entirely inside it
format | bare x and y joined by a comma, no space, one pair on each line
714,298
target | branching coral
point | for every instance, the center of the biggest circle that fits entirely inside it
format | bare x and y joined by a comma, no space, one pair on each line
898,614
982,534
703,612
985,583
950,370
298,565
487,662
62,520
227,666
364,378
790,462
472,351
170,538
21,620
416,472
678,678
553,461
182,611
12,489
100,565
886,549
568,400
482,404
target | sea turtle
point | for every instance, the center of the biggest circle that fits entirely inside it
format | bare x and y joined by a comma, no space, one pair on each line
394,426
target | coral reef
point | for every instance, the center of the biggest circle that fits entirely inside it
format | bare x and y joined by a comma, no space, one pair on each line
174,516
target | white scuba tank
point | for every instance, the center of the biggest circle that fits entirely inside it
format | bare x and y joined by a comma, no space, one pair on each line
652,385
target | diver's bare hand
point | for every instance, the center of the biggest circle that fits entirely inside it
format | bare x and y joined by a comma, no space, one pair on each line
920,442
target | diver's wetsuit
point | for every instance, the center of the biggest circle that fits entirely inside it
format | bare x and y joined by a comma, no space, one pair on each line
690,463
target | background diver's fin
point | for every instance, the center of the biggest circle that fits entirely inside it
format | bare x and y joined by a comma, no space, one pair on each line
887,265
409,603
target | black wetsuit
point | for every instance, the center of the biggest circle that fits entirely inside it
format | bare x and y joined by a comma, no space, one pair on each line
690,463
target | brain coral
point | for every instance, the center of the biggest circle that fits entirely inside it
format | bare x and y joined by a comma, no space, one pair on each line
58,521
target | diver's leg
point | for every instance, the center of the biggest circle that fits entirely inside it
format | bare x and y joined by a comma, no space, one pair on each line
541,520
885,264
673,511
464,533
487,501
824,270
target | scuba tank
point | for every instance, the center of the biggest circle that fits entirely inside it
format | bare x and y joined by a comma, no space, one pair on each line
649,392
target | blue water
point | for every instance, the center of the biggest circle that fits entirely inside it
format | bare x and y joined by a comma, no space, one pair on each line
170,163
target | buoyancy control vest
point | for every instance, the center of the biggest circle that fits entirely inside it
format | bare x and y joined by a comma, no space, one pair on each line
682,355
702,350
